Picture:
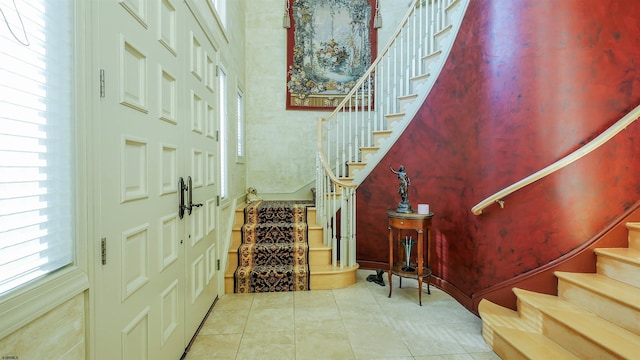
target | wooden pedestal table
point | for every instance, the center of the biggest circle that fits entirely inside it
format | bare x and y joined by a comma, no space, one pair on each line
402,225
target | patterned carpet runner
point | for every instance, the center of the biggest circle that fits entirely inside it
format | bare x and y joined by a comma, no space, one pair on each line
274,253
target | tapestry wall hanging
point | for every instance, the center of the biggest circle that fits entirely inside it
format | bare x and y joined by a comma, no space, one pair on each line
330,45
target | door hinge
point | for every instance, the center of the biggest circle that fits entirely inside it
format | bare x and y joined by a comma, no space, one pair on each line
217,70
218,264
102,83
103,250
217,135
218,200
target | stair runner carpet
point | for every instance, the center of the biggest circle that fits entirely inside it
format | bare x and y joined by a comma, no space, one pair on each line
274,253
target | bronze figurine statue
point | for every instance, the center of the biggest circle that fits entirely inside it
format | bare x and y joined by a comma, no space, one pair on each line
403,206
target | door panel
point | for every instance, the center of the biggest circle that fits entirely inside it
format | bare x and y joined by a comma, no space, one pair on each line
157,282
201,250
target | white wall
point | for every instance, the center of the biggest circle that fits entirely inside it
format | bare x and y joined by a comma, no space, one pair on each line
281,144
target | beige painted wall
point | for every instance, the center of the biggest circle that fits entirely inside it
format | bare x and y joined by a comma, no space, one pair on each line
281,144
58,334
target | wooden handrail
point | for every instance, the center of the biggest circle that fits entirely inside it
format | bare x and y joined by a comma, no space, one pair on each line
586,149
323,160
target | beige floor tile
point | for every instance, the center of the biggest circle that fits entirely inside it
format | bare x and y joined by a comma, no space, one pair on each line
265,345
485,356
261,320
376,341
359,322
214,347
469,335
325,318
354,296
234,302
314,299
445,357
318,345
356,316
425,339
225,322
273,300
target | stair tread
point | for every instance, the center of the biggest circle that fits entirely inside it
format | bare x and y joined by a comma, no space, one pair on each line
495,315
605,286
586,323
633,225
382,132
319,269
624,254
408,96
533,345
507,324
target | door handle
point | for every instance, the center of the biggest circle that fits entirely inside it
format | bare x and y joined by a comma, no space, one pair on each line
190,196
181,207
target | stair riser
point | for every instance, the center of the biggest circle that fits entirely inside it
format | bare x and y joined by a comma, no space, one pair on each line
404,101
605,307
634,238
442,36
453,12
378,137
228,284
487,334
232,261
236,239
531,315
332,280
311,216
238,219
315,237
619,270
584,348
320,256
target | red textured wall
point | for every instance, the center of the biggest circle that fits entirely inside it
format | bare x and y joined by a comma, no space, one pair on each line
527,82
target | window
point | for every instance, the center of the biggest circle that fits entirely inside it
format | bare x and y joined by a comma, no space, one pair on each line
36,140
221,11
223,133
240,127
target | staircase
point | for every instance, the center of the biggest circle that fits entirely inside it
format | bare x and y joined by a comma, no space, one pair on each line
323,275
594,316
360,131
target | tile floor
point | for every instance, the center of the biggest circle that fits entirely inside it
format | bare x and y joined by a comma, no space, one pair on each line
359,322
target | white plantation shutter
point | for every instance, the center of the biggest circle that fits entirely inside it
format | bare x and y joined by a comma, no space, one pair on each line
36,140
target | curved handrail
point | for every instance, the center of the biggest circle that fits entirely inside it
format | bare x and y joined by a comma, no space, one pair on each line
584,150
325,164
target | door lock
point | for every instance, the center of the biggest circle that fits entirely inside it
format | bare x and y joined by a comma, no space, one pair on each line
190,196
181,188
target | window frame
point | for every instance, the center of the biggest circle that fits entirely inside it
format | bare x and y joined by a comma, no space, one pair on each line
223,130
219,10
240,126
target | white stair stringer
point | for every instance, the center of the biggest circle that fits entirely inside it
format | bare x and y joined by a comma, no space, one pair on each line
422,86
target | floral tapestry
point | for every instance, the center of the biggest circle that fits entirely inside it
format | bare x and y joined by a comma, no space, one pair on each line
330,45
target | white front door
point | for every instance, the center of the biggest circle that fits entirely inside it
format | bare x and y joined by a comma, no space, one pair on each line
201,164
157,279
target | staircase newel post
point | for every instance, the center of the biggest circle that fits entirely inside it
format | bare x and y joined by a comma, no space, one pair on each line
352,247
